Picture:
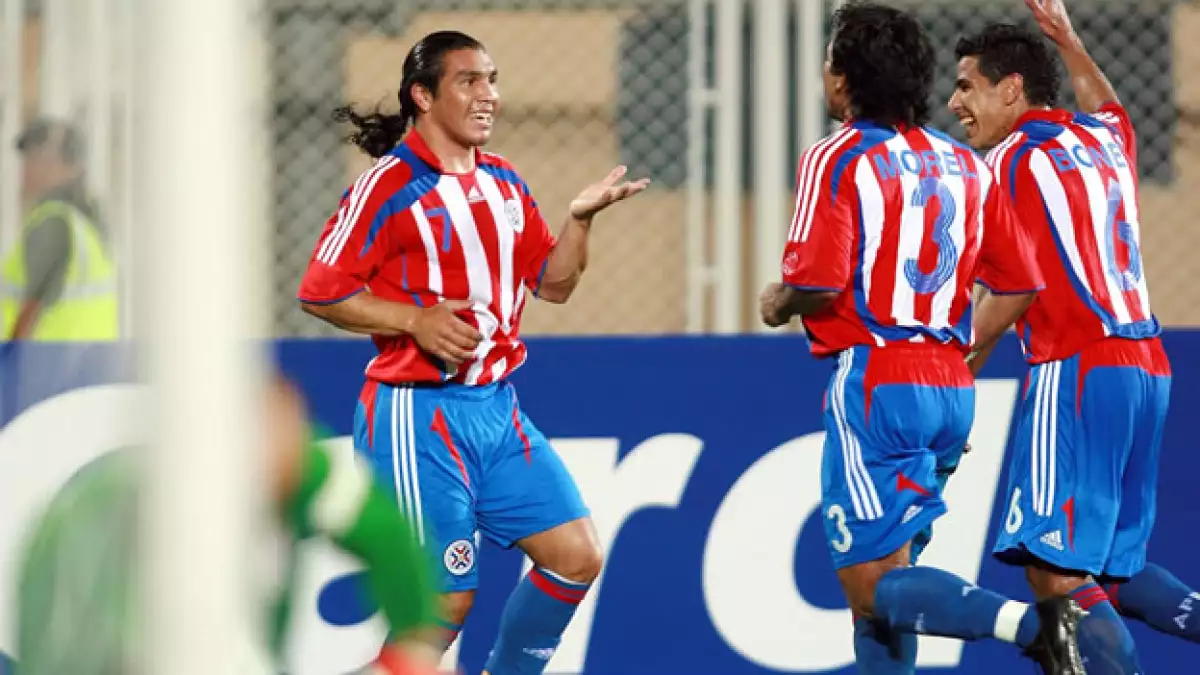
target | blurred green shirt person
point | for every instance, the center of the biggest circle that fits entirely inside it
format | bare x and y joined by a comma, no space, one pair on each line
79,575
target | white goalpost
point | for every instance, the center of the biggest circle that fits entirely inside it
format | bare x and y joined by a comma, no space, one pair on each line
201,225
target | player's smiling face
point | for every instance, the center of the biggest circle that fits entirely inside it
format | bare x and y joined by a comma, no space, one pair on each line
986,111
467,98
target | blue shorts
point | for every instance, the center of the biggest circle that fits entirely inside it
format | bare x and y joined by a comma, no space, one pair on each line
1082,484
464,461
896,421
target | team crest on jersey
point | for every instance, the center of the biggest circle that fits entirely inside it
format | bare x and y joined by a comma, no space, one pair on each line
515,214
459,557
791,263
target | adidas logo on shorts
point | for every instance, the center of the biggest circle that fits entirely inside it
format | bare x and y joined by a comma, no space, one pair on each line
1053,540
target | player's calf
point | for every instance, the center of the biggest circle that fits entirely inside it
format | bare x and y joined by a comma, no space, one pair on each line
1157,598
923,600
1105,644
567,559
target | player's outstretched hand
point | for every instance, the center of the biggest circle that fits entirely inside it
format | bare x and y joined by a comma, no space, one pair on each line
599,196
1051,17
769,304
441,333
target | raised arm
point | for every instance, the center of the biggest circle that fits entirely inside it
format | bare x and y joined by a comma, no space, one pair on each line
1092,88
564,266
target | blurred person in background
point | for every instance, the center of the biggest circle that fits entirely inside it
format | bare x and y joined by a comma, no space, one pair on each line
79,578
432,252
58,282
1084,473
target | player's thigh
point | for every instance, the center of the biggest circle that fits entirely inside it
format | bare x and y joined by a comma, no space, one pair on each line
1139,483
526,488
421,460
879,489
1068,457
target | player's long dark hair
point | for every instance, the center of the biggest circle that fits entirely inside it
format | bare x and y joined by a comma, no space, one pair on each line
377,133
888,62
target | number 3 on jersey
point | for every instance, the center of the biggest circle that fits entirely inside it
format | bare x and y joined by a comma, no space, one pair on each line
947,251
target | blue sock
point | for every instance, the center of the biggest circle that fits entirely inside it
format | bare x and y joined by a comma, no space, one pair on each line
934,602
879,650
533,622
1104,642
1155,597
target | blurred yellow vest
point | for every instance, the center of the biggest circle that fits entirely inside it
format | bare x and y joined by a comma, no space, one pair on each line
87,308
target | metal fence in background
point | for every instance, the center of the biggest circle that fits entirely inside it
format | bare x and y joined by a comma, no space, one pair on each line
677,89
588,84
581,91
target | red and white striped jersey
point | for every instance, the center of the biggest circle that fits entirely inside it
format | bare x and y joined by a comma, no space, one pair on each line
1073,178
902,224
413,233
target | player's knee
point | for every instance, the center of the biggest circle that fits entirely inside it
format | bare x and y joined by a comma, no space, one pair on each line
859,581
456,606
1048,581
583,565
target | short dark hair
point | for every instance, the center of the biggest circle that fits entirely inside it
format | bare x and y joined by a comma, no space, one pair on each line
1005,49
377,133
888,62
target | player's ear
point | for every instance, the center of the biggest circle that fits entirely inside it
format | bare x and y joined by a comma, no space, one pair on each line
422,97
1012,88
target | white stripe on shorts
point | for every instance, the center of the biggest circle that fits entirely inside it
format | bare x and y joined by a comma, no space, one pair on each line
863,495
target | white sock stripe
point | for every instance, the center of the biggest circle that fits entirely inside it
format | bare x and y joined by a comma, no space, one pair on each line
835,404
561,579
1008,620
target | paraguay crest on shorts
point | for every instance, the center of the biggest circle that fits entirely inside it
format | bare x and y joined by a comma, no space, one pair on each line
515,214
459,557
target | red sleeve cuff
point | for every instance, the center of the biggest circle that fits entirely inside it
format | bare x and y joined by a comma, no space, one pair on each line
324,285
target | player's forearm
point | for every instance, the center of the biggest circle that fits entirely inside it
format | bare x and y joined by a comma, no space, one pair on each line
567,261
1092,88
367,314
795,302
993,315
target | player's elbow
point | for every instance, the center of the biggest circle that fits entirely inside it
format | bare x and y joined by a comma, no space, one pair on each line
1017,304
558,291
313,309
324,311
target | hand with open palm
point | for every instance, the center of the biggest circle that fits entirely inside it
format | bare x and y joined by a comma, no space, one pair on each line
599,196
